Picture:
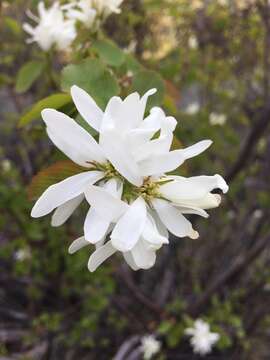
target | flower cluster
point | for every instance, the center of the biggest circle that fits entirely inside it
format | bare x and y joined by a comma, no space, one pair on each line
133,203
52,29
202,339
56,25
150,347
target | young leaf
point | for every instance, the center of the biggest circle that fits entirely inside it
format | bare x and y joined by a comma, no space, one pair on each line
55,101
92,76
27,75
145,80
109,52
52,175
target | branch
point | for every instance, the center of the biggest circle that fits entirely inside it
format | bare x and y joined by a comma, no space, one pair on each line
254,136
138,295
240,263
127,347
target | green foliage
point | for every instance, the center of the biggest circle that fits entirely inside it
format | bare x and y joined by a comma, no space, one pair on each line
109,52
55,101
28,74
93,77
145,80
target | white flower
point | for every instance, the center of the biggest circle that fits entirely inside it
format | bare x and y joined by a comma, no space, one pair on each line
22,254
193,42
82,148
258,213
87,11
223,2
6,165
202,339
132,201
193,108
231,214
150,346
106,7
81,11
52,29
217,119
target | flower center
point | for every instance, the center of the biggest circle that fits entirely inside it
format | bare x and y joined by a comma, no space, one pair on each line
108,170
149,189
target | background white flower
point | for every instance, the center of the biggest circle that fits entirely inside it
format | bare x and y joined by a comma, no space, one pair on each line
81,11
217,119
22,254
202,339
193,42
150,346
193,108
106,7
52,28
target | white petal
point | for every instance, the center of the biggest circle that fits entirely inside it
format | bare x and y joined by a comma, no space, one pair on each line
114,187
64,191
159,224
77,245
141,108
151,234
128,116
95,227
153,121
209,201
154,147
170,123
162,163
172,218
143,257
87,107
63,212
170,161
117,151
100,255
195,187
195,149
110,114
106,205
28,28
71,138
138,136
188,209
129,228
130,261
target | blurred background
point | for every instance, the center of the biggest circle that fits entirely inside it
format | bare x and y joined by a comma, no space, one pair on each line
212,59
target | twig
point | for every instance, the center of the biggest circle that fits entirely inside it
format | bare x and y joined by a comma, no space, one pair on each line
240,263
127,347
254,135
137,293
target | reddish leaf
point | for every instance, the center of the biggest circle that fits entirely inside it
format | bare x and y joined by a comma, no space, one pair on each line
53,174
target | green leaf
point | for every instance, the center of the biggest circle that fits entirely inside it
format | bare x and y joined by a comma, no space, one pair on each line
27,75
109,52
13,25
55,101
132,63
145,80
93,77
53,174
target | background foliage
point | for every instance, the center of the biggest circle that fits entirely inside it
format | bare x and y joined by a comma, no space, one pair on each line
211,54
